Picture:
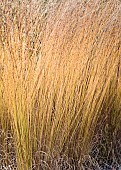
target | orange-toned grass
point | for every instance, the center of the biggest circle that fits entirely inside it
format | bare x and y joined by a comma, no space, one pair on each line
56,83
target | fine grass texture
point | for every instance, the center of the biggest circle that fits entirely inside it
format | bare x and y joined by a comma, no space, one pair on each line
60,83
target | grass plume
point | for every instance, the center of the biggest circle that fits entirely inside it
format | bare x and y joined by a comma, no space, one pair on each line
60,65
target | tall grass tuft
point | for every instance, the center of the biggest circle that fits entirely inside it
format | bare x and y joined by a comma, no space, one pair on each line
60,79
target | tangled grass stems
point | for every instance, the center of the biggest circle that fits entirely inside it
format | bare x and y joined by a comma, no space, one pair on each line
60,66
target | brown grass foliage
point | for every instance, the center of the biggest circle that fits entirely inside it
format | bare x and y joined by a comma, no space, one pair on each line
60,65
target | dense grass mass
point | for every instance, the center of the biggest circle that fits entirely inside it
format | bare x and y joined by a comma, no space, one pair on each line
60,84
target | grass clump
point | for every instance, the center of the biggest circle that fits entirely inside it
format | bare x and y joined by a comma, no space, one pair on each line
60,78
